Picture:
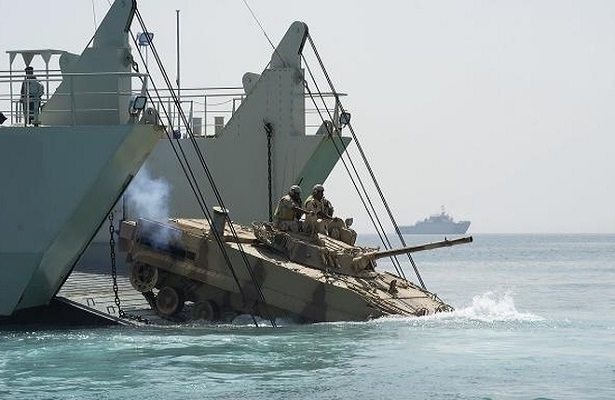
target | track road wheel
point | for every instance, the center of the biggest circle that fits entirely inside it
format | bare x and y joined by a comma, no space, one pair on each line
206,310
169,301
143,277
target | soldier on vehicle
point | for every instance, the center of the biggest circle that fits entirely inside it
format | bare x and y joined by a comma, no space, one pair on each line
288,212
31,94
321,211
320,218
316,202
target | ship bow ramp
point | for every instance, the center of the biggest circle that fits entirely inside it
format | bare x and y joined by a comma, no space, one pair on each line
62,178
59,185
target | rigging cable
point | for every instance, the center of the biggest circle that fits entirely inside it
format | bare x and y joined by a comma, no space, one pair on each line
188,172
371,211
198,193
380,231
362,195
259,23
366,162
190,175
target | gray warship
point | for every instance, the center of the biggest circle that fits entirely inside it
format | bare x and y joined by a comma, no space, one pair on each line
437,224
222,270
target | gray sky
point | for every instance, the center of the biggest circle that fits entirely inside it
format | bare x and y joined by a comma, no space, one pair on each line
499,110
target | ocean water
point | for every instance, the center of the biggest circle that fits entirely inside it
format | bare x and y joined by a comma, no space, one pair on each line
534,319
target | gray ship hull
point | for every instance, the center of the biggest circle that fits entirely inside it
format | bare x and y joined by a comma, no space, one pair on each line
456,228
56,199
62,173
437,224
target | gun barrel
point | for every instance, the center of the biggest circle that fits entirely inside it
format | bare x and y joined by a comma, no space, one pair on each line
426,246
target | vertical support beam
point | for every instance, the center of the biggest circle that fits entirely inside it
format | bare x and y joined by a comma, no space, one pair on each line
179,101
13,109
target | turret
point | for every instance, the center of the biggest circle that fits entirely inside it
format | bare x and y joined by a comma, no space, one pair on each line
328,254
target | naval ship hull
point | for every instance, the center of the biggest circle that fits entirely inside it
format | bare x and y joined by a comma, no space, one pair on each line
437,224
59,184
62,174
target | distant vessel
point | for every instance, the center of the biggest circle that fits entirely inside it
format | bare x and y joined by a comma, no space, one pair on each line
437,224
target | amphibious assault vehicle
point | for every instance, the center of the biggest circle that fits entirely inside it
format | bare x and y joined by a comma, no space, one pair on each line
223,270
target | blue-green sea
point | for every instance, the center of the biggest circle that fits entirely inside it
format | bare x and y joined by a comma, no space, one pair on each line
534,319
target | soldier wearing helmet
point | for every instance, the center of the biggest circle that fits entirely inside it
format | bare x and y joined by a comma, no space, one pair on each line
289,211
321,210
319,218
317,203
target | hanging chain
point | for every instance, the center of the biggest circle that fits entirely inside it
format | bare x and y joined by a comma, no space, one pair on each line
269,131
121,312
113,268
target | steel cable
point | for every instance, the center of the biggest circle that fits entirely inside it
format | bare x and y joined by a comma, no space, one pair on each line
194,184
366,162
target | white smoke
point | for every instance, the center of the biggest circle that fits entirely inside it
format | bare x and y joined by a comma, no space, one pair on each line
147,197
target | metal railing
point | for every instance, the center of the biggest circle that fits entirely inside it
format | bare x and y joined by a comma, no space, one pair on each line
14,105
208,108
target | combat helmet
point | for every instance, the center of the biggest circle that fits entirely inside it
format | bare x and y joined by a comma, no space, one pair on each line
295,189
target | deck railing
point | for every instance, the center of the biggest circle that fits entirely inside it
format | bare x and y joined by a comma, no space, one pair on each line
207,109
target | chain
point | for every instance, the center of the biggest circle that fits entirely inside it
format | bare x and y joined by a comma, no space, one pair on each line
113,268
269,131
120,312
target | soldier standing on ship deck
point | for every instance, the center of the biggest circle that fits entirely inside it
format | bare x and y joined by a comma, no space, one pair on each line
31,94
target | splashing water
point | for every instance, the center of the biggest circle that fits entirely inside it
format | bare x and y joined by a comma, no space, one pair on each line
491,307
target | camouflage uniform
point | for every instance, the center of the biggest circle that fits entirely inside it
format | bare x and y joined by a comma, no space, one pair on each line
317,221
319,207
314,223
286,217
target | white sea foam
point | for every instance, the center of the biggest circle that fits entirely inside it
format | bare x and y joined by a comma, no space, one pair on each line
491,307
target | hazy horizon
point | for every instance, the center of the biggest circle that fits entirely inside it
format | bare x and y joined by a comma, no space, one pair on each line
498,110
